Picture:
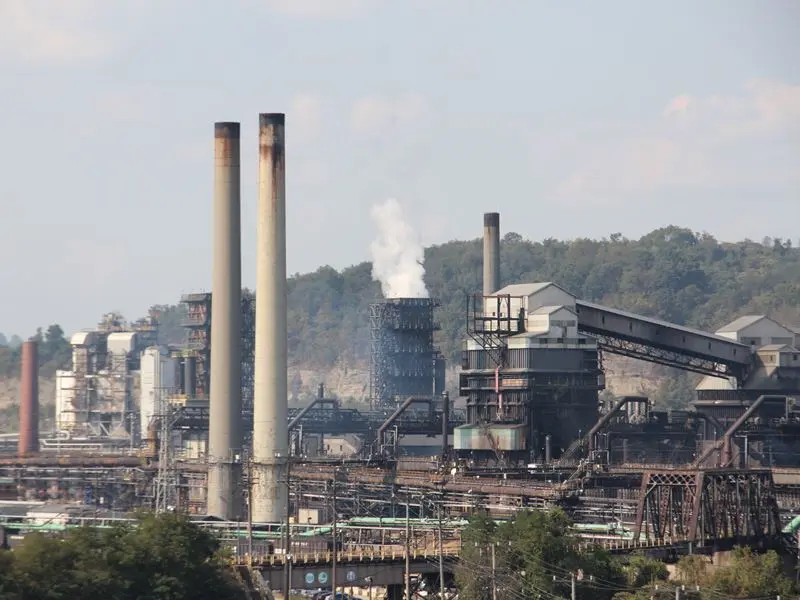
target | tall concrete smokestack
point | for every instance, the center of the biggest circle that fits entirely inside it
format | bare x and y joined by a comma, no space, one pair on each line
29,400
491,253
225,394
270,403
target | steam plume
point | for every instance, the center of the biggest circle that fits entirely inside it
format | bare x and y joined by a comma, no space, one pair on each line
397,255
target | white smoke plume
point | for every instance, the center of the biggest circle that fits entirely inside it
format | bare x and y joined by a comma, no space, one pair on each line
397,255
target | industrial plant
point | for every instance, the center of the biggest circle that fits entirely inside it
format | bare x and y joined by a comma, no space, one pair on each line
206,428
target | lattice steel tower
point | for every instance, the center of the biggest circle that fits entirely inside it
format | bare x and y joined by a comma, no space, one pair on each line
403,359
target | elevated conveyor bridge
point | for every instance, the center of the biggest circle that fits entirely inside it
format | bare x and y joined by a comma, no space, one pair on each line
628,334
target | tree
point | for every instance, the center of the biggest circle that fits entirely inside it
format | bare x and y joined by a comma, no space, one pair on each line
535,554
748,575
671,273
161,557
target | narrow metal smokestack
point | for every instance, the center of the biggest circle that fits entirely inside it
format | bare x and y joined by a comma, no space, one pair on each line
491,253
190,376
270,403
225,396
29,400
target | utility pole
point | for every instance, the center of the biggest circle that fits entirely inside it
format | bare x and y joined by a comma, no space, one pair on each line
572,590
250,510
287,547
408,550
441,555
494,573
334,556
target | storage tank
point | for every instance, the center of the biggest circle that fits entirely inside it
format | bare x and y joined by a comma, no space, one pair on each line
65,399
158,374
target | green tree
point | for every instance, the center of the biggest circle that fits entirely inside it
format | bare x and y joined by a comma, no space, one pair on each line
747,575
162,557
672,273
535,554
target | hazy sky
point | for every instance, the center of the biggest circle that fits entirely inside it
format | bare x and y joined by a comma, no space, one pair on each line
570,118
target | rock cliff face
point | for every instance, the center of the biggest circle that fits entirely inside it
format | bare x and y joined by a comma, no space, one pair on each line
629,377
9,392
624,376
351,383
9,401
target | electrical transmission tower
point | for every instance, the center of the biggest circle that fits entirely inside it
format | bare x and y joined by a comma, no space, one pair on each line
167,476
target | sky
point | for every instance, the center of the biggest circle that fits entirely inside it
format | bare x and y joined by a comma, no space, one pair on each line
571,119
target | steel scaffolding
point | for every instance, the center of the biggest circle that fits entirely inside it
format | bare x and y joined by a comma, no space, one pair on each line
403,358
198,327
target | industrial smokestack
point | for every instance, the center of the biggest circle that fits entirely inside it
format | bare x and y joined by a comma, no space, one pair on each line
270,402
29,400
190,376
225,395
491,253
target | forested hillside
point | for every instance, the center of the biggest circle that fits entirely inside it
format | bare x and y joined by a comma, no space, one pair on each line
671,273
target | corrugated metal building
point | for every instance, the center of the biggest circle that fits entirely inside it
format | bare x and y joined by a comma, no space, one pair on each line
527,373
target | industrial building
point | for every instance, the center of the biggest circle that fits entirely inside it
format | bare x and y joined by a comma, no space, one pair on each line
403,359
206,428
530,378
102,395
532,370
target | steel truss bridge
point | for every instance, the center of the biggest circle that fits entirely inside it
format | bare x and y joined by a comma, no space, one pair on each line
652,505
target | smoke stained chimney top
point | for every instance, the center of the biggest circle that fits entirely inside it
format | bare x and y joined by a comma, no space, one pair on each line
227,129
491,219
265,119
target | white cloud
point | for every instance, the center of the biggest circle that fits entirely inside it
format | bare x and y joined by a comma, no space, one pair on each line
715,141
50,31
373,115
67,32
305,115
321,9
678,105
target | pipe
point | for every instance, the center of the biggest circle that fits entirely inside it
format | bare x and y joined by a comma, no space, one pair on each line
445,425
28,442
270,403
225,397
724,444
728,436
316,402
152,439
491,253
400,410
500,412
181,372
190,376
621,403
548,449
710,420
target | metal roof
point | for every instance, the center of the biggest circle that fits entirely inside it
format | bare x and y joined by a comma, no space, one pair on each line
526,289
776,348
737,325
549,310
83,338
658,322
